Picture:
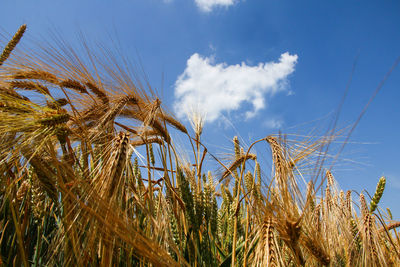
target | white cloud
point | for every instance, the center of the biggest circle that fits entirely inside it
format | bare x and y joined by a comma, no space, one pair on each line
212,89
273,123
208,5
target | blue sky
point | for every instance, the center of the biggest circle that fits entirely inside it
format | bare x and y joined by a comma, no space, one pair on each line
256,66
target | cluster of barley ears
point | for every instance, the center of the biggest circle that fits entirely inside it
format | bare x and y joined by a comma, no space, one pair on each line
90,175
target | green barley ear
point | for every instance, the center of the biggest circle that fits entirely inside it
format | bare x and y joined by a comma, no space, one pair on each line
310,195
356,234
199,208
249,181
257,192
214,217
380,187
237,147
389,213
136,168
186,195
138,175
152,160
12,44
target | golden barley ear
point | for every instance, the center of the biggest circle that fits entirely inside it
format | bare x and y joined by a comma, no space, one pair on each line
12,44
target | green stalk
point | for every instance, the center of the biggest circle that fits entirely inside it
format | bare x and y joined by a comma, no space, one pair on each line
238,203
19,236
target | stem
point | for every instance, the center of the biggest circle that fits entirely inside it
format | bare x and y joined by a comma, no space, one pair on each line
19,235
238,203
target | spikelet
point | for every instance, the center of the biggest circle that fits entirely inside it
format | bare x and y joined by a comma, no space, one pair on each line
12,44
149,141
98,92
317,251
118,161
52,119
75,85
356,234
62,133
28,85
186,196
138,175
7,92
214,205
175,123
310,195
174,228
281,166
136,170
249,181
199,208
36,75
58,103
214,217
290,232
38,196
316,217
231,209
207,199
45,174
364,206
236,147
390,226
328,198
330,179
272,256
368,231
389,212
22,192
257,191
152,159
378,194
348,206
236,164
266,252
342,200
116,108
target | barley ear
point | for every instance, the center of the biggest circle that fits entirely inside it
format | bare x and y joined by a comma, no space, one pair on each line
378,194
152,159
237,147
11,45
364,206
389,213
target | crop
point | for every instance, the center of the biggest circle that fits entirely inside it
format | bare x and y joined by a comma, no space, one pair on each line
90,175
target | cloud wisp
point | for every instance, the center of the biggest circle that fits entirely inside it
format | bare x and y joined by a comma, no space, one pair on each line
208,5
211,89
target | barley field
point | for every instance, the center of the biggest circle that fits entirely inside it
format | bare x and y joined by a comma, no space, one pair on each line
90,176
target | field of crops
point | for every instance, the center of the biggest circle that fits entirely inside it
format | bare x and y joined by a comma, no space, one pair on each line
90,175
